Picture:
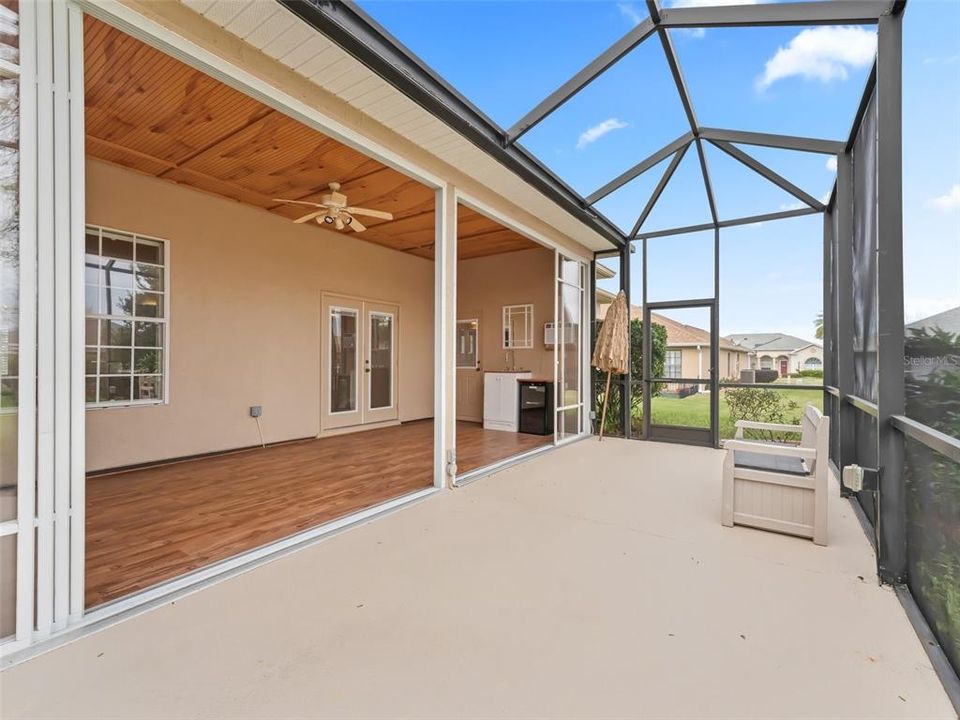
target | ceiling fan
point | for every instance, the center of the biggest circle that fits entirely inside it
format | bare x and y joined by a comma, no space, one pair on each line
333,210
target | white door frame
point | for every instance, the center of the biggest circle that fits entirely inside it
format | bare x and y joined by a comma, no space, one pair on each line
558,248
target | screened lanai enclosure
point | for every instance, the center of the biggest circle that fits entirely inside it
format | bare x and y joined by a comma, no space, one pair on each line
892,389
761,253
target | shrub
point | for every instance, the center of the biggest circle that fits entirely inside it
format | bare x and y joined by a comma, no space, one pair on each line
761,405
810,373
767,376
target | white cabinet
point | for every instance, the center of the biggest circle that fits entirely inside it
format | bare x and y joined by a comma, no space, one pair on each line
501,400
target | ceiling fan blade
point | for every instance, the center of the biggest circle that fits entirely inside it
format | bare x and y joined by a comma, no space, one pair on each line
310,216
299,202
369,213
357,226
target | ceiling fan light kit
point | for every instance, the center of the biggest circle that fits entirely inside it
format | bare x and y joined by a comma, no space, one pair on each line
333,210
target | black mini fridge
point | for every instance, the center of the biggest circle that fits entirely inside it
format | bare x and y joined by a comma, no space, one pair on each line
536,407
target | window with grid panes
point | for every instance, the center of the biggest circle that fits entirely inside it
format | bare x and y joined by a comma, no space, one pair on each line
126,318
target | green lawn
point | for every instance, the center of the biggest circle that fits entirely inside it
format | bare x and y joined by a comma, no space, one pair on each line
694,410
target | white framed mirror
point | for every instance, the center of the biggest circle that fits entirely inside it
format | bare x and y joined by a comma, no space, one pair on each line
517,327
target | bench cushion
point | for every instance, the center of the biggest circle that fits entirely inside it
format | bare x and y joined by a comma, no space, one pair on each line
771,463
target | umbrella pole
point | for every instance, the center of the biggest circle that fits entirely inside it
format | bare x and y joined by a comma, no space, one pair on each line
606,404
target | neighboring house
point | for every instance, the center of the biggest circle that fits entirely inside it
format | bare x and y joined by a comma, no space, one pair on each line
781,352
688,347
947,321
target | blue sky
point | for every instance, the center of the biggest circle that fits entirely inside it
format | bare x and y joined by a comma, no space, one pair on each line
507,56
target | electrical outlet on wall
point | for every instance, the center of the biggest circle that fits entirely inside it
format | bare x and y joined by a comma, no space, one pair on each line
256,411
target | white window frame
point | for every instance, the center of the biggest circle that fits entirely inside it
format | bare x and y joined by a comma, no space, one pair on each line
507,340
667,365
165,321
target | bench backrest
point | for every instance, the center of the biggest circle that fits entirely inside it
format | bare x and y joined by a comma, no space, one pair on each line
815,432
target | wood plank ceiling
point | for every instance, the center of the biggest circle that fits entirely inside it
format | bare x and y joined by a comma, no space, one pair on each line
151,113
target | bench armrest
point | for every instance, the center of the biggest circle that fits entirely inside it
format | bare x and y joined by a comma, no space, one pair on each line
765,448
752,425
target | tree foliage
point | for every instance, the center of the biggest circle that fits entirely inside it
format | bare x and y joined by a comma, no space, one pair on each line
658,359
932,384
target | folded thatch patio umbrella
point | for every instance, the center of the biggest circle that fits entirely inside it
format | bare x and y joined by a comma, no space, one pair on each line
612,353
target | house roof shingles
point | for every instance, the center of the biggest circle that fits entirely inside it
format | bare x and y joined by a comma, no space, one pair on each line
769,342
678,334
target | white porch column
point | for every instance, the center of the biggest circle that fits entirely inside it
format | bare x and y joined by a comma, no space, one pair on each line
58,226
445,321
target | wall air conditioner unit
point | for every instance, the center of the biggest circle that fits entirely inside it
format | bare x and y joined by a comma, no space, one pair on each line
570,333
549,335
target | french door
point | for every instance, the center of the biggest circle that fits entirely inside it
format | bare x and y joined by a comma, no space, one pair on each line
358,350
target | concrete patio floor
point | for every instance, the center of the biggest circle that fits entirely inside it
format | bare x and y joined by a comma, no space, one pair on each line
593,581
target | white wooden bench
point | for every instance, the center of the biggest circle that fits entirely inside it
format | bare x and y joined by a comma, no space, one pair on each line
779,487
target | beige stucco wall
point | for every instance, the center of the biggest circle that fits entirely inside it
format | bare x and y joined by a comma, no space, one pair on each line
245,319
485,285
696,364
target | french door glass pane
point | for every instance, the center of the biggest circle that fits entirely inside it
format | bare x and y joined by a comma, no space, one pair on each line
381,361
570,319
467,344
343,360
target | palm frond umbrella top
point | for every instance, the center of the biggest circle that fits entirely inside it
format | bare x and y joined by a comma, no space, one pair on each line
612,352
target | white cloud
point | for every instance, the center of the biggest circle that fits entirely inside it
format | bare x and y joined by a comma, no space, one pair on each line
823,53
832,163
598,131
630,12
949,200
794,206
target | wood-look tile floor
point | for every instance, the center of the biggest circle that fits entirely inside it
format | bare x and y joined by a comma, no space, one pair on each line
150,525
477,447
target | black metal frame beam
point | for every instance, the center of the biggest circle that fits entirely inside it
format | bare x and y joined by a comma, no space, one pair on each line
583,78
750,220
761,169
891,395
671,54
784,142
836,12
640,168
843,273
658,190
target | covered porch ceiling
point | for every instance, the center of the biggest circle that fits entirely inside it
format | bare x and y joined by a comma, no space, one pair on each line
151,113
